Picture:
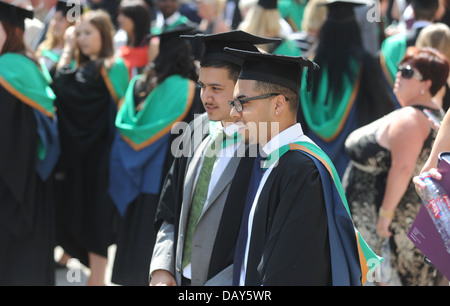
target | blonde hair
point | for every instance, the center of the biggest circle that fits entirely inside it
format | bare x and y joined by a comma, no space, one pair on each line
262,22
436,36
50,41
314,16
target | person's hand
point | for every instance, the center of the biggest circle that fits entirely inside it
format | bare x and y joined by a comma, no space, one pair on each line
70,42
419,184
70,38
162,278
383,227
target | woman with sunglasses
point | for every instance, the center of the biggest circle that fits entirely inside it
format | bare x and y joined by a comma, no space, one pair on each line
385,155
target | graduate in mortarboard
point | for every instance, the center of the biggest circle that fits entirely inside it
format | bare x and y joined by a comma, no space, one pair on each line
296,228
394,47
348,91
202,198
87,99
28,154
264,19
155,101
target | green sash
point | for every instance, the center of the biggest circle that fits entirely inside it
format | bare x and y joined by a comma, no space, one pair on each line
51,55
166,104
292,11
328,112
33,89
54,57
392,52
288,47
116,79
368,260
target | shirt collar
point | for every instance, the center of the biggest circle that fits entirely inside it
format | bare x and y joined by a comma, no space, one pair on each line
287,136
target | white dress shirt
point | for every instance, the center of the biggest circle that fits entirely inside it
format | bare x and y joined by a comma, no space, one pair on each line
289,135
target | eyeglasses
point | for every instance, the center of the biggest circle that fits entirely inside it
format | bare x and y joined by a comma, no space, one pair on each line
407,72
238,104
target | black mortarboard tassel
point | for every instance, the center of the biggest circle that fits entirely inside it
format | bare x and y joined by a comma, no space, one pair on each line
273,68
342,10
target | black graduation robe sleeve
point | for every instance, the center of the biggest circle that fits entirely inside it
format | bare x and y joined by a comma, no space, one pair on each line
171,193
18,158
289,242
171,197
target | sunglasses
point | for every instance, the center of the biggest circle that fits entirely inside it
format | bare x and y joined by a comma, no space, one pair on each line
238,104
407,72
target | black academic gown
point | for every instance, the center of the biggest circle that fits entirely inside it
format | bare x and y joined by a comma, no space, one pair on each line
86,112
26,202
169,206
289,240
136,234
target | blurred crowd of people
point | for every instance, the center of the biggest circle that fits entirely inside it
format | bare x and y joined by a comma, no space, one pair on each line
104,82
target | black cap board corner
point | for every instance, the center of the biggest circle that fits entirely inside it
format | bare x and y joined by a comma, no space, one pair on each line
274,68
210,47
15,14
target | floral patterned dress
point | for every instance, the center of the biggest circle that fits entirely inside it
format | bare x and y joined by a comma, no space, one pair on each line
364,183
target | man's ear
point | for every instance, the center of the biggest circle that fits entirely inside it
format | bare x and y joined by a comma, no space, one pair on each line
281,105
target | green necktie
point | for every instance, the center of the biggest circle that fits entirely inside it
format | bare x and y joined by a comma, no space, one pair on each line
200,193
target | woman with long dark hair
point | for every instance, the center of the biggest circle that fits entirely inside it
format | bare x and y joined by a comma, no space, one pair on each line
348,91
134,19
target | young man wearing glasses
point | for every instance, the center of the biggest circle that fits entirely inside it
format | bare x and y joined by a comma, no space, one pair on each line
296,228
197,234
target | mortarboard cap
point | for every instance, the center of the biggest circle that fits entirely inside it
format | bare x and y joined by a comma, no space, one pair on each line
210,47
65,6
16,11
273,68
342,10
268,4
170,41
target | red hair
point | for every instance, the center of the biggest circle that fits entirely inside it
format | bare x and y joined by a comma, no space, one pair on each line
432,64
14,41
